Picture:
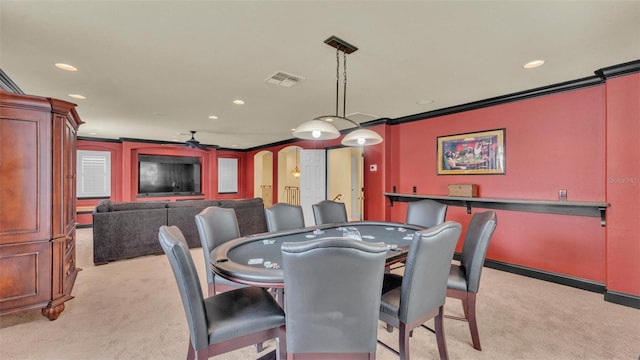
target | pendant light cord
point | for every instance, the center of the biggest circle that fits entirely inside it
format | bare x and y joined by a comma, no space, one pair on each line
344,92
337,79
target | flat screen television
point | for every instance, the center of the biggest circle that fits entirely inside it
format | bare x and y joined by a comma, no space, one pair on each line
160,175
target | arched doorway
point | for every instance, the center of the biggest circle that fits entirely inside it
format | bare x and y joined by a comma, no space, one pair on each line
289,175
263,177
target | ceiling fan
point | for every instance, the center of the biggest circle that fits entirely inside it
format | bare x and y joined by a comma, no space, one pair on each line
193,143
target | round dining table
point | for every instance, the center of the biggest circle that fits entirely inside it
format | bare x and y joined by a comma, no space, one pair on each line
256,259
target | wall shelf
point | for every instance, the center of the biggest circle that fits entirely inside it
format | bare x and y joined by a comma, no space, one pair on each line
575,208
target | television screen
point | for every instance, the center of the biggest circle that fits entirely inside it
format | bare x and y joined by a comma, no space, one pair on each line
168,175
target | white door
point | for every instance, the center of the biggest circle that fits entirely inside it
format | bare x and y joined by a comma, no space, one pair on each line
313,183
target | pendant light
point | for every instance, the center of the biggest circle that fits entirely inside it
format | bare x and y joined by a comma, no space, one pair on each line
296,172
319,128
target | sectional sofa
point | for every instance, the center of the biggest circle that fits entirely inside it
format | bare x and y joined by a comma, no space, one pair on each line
130,229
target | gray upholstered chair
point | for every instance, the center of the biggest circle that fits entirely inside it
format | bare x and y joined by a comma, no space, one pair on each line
223,322
410,300
216,226
332,297
329,212
426,213
464,279
283,216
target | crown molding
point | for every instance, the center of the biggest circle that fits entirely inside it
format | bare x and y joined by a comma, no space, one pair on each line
619,70
8,85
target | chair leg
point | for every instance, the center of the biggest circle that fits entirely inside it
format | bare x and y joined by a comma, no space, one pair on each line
442,343
471,317
191,354
403,341
465,306
202,354
279,295
281,344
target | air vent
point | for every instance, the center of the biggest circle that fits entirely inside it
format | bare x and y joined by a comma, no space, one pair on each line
362,117
284,79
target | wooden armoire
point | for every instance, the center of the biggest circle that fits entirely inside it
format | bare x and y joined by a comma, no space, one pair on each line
37,203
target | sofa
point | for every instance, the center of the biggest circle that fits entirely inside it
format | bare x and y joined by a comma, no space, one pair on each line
123,230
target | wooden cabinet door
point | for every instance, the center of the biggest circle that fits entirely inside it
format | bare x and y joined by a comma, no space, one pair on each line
64,176
64,203
25,174
65,125
26,276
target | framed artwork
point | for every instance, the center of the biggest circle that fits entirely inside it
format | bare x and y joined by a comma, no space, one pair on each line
472,153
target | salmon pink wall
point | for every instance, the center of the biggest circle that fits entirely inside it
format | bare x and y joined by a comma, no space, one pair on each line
116,174
83,217
552,142
583,140
124,169
623,184
374,181
130,152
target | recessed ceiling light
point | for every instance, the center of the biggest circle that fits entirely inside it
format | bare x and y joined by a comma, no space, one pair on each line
292,129
533,64
238,102
93,133
328,119
424,102
77,96
234,145
213,117
66,67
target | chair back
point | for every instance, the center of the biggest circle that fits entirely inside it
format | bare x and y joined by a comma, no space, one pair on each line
426,213
475,246
283,216
329,212
216,226
332,295
424,285
175,246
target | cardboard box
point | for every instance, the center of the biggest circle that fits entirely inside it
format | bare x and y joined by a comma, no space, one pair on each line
463,190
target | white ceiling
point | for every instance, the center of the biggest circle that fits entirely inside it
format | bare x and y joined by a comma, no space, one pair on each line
156,69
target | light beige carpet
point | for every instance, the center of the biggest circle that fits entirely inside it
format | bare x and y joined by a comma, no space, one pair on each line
131,309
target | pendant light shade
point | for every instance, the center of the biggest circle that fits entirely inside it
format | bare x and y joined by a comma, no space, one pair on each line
361,137
319,128
296,171
316,130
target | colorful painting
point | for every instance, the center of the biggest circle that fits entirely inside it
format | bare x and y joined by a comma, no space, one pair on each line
472,153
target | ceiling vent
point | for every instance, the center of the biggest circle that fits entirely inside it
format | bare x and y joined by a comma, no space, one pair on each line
360,117
284,79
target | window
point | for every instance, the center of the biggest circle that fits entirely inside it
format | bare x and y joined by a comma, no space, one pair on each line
94,174
227,176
